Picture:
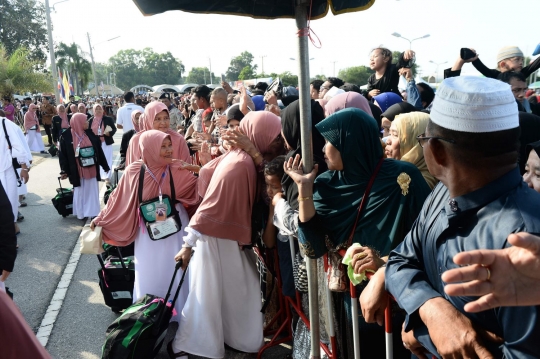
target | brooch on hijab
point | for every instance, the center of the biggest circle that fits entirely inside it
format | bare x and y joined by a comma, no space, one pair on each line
403,181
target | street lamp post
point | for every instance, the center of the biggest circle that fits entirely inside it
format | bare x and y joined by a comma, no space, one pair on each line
410,41
293,59
51,52
92,58
210,71
262,63
334,62
437,68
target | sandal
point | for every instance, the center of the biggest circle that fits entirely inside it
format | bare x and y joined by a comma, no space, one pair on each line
174,355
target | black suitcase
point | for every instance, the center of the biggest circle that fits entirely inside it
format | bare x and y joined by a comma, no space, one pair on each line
140,331
112,187
63,201
116,280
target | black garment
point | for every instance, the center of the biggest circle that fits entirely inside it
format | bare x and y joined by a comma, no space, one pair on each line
48,132
535,108
290,122
376,112
68,162
494,74
387,83
8,239
57,127
481,219
106,121
398,109
126,137
530,132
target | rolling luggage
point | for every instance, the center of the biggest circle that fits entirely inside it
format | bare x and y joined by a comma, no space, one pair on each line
63,201
116,280
140,331
112,187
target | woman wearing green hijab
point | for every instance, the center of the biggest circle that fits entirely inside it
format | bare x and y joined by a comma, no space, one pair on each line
329,206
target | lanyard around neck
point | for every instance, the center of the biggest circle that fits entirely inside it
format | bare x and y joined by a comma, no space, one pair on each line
159,183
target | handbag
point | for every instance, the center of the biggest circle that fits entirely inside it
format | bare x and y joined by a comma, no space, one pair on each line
300,273
159,229
87,156
91,240
53,150
338,280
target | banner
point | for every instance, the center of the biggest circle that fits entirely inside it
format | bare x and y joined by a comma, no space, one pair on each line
66,88
60,87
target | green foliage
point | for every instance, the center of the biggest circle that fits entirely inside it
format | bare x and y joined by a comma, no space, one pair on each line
200,75
72,58
134,67
17,74
357,75
23,24
288,79
238,64
395,57
318,77
247,73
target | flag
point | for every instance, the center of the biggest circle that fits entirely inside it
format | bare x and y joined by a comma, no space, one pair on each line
71,91
60,87
66,88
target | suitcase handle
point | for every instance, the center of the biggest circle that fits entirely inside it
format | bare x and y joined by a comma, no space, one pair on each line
61,189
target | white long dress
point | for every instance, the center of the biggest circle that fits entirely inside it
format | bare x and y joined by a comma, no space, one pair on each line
154,264
86,199
224,302
108,151
35,141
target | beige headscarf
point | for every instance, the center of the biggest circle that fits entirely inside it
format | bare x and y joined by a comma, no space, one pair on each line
408,127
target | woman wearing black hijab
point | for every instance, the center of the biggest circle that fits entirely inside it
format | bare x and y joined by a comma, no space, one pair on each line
530,132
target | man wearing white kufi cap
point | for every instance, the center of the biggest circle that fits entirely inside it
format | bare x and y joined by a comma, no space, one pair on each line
471,145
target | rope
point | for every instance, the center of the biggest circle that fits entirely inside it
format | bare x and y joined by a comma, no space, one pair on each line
308,30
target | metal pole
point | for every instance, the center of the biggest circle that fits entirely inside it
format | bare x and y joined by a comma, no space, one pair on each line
307,159
51,52
210,70
93,65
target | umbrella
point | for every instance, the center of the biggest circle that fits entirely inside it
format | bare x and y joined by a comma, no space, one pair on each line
302,11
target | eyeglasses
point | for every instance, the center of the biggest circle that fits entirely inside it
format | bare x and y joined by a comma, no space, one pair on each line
422,137
322,88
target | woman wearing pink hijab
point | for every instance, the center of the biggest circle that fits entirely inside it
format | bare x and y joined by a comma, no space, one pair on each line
155,117
121,224
33,131
103,127
346,100
80,156
224,300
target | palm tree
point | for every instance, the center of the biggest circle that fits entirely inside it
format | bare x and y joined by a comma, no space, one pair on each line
71,57
17,74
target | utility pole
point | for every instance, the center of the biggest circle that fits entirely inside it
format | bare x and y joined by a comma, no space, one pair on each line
210,70
262,63
93,65
334,62
51,52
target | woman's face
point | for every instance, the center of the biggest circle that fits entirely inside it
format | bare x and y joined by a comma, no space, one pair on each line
332,157
532,171
162,122
392,145
385,124
98,111
137,117
166,149
61,109
376,60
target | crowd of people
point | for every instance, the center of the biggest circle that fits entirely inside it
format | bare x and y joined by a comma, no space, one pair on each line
423,181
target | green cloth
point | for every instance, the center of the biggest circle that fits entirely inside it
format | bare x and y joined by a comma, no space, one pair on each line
388,214
355,278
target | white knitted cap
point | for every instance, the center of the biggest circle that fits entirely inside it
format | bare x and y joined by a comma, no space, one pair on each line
475,104
508,52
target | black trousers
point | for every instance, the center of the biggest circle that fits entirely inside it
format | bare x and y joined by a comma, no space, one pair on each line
8,239
49,133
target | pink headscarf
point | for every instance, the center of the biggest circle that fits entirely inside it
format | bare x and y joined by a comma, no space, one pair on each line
30,118
120,218
73,108
146,123
346,100
97,122
63,116
228,183
82,108
81,140
136,125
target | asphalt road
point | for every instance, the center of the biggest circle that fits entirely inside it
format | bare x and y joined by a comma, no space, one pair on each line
46,244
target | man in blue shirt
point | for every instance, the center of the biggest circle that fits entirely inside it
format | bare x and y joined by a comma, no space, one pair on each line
471,145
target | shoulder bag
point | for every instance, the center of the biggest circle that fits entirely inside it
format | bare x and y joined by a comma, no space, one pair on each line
159,229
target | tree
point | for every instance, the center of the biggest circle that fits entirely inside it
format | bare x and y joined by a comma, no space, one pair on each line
238,64
18,75
246,73
395,58
71,58
22,24
288,79
318,77
133,67
357,75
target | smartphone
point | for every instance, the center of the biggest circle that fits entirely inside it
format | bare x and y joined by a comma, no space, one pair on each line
223,78
466,54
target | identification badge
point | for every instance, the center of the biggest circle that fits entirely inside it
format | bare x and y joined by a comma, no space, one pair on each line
77,151
161,212
99,131
164,228
85,162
